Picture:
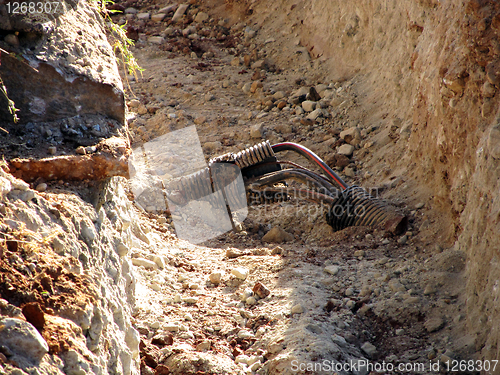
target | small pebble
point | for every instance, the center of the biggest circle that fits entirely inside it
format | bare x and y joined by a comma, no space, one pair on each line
41,187
215,278
297,309
240,272
332,270
403,240
369,349
261,290
251,301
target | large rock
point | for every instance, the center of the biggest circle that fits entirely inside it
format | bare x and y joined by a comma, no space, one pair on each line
67,66
23,339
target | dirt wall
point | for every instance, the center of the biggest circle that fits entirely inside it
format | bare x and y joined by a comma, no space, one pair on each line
427,74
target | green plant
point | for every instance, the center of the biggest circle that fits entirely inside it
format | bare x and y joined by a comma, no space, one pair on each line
120,42
11,106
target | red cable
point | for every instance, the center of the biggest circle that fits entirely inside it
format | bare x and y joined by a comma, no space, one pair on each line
312,156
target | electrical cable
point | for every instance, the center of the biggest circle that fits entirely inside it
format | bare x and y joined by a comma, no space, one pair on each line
304,151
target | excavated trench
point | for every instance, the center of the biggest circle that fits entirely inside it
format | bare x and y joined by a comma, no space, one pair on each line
101,274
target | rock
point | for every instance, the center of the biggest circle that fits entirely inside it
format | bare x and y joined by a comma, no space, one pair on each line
256,131
429,289
171,327
332,270
243,334
242,358
278,95
240,272
420,205
20,337
141,262
255,85
493,73
41,187
180,12
313,95
52,150
190,300
346,150
277,235
201,17
488,90
249,32
162,339
158,17
309,105
297,309
215,278
275,347
351,135
246,87
259,64
318,112
403,240
251,301
261,290
281,104
144,16
168,9
156,39
12,39
369,349
396,286
80,150
277,250
203,346
434,324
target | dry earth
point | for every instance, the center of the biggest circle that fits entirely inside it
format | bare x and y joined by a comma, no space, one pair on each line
355,294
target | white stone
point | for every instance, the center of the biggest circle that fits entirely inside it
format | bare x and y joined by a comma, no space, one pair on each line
297,309
346,150
240,272
215,277
143,16
190,300
22,338
243,334
256,130
203,346
180,12
309,105
158,17
332,270
201,17
141,262
156,39
318,112
242,358
171,327
251,301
